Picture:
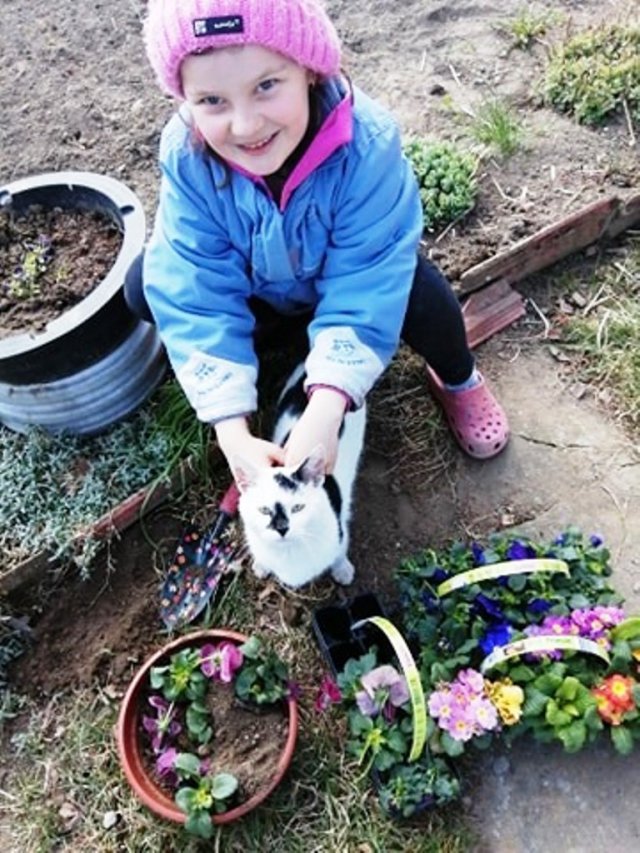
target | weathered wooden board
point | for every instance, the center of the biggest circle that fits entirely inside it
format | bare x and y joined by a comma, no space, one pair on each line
602,219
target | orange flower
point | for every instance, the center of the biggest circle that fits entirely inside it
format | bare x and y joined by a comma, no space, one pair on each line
614,697
620,691
607,710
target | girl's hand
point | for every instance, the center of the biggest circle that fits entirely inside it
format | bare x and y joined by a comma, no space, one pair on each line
319,425
236,442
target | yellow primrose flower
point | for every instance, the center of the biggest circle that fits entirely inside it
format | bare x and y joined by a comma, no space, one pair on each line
507,698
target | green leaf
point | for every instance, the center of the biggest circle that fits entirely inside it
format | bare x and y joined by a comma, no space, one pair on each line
517,582
452,747
569,689
535,702
199,823
547,683
573,737
622,739
252,648
555,716
521,674
184,799
188,764
223,785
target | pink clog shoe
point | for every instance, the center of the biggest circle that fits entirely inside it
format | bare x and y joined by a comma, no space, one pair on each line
475,417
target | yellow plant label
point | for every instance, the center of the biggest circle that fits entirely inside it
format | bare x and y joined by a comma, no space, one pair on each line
414,685
543,643
497,570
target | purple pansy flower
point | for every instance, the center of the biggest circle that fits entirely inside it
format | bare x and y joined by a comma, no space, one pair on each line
220,662
166,766
595,541
384,690
164,723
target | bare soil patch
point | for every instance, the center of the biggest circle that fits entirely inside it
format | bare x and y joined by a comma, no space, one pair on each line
50,259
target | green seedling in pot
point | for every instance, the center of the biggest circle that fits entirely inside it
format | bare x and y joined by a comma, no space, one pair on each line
211,795
264,678
182,678
25,283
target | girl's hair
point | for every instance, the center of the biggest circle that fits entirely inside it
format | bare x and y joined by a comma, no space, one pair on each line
298,29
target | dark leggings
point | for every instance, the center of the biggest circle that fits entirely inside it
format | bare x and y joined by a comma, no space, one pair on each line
433,325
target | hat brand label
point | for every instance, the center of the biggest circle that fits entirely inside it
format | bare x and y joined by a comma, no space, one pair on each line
218,26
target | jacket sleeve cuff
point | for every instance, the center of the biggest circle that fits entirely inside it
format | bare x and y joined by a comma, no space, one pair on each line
218,389
338,359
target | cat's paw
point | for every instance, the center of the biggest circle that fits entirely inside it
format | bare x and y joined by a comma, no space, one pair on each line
260,571
342,571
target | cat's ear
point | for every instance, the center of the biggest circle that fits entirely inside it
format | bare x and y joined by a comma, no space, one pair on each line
244,473
313,468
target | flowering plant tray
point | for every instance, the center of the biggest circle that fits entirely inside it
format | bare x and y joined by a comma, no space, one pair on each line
509,638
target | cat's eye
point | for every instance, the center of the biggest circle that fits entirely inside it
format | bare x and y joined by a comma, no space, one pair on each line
297,507
264,510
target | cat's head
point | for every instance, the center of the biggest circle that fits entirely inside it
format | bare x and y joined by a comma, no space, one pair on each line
278,502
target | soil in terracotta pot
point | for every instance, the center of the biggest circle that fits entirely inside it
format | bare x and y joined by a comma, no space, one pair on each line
50,259
247,743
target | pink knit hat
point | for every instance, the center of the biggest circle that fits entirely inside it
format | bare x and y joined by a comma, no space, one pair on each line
298,29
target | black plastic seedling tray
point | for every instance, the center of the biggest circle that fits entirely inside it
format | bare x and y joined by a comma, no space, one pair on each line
339,641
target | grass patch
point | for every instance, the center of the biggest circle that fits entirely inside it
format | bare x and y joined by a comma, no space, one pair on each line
528,26
605,336
55,486
596,74
497,126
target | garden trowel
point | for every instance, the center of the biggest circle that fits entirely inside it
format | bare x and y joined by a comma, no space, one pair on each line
200,561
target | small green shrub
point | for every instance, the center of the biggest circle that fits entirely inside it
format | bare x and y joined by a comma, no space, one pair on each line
446,177
594,73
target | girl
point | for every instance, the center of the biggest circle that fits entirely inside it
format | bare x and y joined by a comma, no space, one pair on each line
285,191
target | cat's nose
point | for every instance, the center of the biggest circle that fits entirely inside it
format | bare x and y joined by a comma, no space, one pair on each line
280,524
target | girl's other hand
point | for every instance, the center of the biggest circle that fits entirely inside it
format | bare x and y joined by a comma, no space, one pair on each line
319,425
236,442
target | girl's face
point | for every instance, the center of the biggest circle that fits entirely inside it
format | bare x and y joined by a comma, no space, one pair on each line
250,104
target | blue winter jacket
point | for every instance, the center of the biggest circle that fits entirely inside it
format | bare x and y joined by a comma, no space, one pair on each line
341,243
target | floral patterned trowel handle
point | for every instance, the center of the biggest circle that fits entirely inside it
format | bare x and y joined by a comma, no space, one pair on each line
201,559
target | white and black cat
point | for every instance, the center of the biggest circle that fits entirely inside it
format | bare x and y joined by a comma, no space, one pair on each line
296,520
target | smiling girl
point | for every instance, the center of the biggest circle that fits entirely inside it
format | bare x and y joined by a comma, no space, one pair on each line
285,193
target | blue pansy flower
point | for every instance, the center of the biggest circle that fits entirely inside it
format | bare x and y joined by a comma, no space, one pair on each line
430,602
487,607
562,539
519,551
440,575
538,605
477,552
595,540
496,635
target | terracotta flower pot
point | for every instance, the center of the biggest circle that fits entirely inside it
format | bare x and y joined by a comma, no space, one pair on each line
129,747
